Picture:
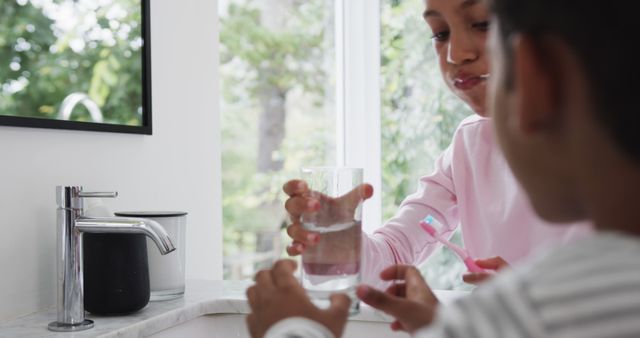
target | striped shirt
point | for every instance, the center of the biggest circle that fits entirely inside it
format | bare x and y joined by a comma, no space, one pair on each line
588,289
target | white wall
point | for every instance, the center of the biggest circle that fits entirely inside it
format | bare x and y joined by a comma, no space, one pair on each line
177,168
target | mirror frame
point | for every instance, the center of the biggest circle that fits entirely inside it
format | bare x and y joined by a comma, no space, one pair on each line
145,128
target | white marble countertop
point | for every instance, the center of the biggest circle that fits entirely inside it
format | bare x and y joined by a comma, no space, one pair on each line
201,298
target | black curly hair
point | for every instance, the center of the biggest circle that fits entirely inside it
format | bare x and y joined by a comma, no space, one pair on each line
601,33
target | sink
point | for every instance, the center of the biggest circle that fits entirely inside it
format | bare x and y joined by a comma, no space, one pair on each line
233,326
212,309
368,323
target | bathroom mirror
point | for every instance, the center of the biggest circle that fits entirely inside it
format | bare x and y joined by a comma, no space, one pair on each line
75,64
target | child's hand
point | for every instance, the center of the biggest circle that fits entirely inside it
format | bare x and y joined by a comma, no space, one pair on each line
409,299
493,263
278,295
304,204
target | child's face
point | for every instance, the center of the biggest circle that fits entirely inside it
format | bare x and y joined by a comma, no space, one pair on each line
459,34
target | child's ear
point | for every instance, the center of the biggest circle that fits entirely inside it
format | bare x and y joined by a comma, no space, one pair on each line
535,81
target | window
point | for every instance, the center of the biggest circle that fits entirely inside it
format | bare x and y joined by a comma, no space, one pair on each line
349,82
278,114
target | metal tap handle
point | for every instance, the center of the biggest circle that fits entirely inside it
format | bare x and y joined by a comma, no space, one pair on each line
71,196
105,194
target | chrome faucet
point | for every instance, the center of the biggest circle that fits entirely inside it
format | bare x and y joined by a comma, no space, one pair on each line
71,224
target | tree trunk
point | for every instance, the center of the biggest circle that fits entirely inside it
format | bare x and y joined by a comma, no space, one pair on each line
273,16
271,129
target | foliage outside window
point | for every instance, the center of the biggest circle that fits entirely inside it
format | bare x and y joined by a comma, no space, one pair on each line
277,115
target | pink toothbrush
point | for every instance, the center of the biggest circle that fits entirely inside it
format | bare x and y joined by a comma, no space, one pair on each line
427,225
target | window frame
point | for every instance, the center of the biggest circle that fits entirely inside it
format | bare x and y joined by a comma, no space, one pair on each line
358,106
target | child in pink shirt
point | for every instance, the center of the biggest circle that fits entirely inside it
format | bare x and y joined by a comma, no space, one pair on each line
472,185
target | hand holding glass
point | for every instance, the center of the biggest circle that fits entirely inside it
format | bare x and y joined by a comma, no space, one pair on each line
333,265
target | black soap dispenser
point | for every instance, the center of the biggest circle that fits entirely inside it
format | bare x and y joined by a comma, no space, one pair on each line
116,271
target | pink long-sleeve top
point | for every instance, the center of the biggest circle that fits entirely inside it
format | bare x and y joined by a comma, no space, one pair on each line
472,187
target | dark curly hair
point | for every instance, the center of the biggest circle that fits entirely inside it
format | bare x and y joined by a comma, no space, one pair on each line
601,34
